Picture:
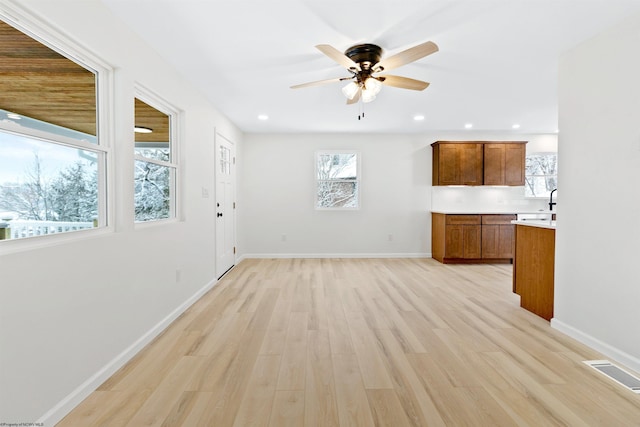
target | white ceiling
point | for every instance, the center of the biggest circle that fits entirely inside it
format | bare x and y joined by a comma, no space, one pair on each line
497,63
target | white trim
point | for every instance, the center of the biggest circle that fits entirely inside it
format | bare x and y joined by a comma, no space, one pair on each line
608,350
336,255
358,180
57,40
73,399
23,19
154,100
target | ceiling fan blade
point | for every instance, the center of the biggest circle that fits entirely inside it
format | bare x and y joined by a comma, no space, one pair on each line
355,98
320,82
403,82
338,56
407,56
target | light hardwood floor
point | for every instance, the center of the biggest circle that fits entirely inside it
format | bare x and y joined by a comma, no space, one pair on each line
356,342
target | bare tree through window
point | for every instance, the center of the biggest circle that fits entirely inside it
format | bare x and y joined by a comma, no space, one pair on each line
337,180
541,174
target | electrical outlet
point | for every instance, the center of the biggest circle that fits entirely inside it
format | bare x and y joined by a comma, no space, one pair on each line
205,193
284,237
390,237
178,275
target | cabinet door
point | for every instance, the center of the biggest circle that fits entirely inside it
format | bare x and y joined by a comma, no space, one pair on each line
448,165
490,241
494,164
497,241
456,163
514,164
463,241
506,241
504,163
454,241
471,235
471,156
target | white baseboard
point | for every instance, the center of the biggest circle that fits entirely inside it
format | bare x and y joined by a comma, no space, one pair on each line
66,405
334,255
617,355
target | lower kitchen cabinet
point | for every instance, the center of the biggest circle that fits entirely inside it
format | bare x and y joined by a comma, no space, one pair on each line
472,238
497,236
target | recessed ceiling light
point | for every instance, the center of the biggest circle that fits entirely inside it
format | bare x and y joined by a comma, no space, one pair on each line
516,126
468,125
142,129
418,117
263,117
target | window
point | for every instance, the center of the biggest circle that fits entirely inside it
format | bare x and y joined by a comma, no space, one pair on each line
337,180
52,161
541,175
225,160
155,164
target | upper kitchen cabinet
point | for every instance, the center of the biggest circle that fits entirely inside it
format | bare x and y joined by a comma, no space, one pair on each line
478,163
504,163
457,163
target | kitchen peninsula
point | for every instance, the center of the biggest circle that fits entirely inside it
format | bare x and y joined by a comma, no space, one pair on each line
534,266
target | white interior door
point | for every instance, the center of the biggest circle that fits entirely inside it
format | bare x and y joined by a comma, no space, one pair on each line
225,205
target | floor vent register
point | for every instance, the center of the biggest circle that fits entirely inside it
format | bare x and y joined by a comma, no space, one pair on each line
617,374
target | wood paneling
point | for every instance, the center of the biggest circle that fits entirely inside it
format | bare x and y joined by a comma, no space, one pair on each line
38,82
429,344
149,117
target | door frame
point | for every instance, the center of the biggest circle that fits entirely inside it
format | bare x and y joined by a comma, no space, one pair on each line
219,139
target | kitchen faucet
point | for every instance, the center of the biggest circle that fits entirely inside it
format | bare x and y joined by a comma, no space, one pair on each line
551,202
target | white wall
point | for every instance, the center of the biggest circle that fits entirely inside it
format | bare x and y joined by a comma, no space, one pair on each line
276,182
277,197
597,289
70,309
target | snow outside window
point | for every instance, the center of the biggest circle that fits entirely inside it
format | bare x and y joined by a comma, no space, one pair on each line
541,174
155,164
52,161
337,180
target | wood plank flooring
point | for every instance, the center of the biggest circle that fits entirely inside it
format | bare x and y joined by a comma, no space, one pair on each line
360,342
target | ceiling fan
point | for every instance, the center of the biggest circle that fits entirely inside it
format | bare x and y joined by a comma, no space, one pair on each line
364,63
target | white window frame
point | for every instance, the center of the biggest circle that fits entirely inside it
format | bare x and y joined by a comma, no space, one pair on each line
358,180
544,196
49,36
150,98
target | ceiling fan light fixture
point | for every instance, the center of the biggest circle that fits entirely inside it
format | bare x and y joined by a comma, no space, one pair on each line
350,90
142,129
373,85
368,95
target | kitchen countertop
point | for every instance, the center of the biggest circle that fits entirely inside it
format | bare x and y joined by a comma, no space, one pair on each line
537,223
492,212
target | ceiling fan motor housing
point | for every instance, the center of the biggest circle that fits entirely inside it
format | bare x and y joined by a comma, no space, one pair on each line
365,55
